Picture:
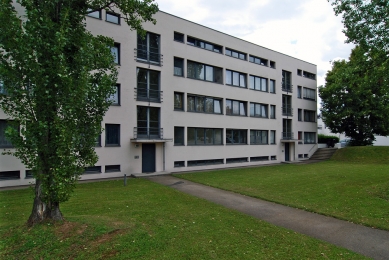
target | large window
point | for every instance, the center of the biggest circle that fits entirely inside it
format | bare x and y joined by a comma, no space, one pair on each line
178,101
112,17
236,108
204,72
112,168
309,116
257,60
204,45
204,136
204,104
3,141
235,78
205,162
178,135
258,83
148,125
286,81
236,136
9,175
235,54
309,93
148,48
115,50
112,135
258,110
178,66
258,137
148,85
115,97
309,137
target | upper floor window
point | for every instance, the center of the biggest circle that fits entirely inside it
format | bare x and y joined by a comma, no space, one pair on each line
272,64
148,48
236,54
258,110
3,91
272,86
235,78
286,81
257,60
204,136
148,85
309,137
236,136
95,14
258,83
178,66
115,50
178,101
236,108
112,17
272,136
300,114
204,72
258,137
204,45
4,142
299,72
115,97
299,91
204,104
178,37
272,111
112,135
309,75
309,94
309,116
179,135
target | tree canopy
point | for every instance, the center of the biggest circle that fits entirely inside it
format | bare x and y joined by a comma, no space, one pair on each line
57,80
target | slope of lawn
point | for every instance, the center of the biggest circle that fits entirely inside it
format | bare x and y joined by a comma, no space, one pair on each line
353,185
144,220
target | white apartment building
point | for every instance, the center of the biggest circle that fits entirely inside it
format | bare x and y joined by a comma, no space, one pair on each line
192,98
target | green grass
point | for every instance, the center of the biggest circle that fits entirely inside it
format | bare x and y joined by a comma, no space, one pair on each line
144,220
353,185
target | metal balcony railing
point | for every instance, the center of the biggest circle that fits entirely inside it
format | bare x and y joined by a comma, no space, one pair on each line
287,135
148,133
150,95
287,87
148,57
287,111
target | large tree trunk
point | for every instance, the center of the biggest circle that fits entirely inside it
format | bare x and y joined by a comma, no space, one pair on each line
42,211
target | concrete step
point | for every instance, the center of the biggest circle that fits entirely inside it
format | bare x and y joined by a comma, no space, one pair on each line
322,154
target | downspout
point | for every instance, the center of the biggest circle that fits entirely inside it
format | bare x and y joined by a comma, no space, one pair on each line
163,156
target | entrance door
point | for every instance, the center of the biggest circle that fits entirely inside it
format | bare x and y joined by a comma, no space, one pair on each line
148,157
286,152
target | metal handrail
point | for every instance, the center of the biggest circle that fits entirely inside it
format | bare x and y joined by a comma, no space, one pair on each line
287,135
287,111
148,56
148,133
146,94
287,87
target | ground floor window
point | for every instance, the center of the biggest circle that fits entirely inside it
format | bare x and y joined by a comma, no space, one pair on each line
258,136
204,136
309,137
236,136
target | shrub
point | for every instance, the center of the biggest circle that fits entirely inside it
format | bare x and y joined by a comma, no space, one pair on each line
322,139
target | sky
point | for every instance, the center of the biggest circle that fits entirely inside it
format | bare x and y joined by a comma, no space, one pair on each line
305,29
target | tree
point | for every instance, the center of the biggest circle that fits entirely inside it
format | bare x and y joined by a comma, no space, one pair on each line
355,99
58,78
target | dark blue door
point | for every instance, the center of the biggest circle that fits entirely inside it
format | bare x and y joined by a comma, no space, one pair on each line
286,152
148,157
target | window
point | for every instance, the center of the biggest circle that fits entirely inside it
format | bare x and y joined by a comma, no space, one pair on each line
237,160
179,164
258,110
178,135
115,50
258,137
4,143
309,137
95,14
309,94
272,136
259,158
98,141
309,75
299,72
148,48
299,92
204,72
300,137
112,18
178,101
235,54
257,60
3,91
178,67
286,81
236,136
204,45
9,175
29,174
235,78
309,116
205,162
178,37
273,157
272,111
112,168
148,124
203,104
272,87
301,156
92,169
112,135
115,97
204,136
258,83
148,85
272,64
299,115
236,108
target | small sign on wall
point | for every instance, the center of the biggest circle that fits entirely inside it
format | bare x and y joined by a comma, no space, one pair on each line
136,157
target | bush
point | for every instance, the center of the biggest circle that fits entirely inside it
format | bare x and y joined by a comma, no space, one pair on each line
322,139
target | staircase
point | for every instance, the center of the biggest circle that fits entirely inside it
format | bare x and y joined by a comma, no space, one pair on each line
322,154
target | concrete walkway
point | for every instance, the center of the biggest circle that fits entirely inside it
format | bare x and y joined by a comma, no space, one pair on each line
364,240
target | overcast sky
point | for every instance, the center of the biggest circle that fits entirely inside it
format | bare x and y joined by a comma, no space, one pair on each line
305,29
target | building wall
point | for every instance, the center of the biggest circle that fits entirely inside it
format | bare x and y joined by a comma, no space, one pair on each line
129,154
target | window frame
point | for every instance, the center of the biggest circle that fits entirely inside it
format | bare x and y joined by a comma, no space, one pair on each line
305,94
228,50
204,135
272,111
195,42
190,63
148,84
117,85
258,60
116,46
92,170
181,128
240,76
116,144
272,133
181,34
299,115
176,108
98,11
260,109
7,143
253,79
272,87
308,138
230,112
310,116
233,132
258,137
107,13
118,168
182,68
204,104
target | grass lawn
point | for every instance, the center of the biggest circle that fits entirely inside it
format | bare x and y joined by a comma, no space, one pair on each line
144,220
353,185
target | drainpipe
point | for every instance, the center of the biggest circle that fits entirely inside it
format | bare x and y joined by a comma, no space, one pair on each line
163,156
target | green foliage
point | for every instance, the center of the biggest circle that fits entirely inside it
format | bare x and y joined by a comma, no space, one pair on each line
364,155
355,98
58,78
322,139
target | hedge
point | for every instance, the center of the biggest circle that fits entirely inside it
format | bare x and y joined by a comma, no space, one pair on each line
322,139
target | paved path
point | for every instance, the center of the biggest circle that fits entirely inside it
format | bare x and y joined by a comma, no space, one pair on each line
366,241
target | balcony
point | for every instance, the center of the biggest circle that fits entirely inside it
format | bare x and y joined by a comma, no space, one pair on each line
150,95
154,58
287,87
287,111
147,133
287,135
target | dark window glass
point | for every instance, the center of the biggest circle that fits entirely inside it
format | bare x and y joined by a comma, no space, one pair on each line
92,169
115,97
204,136
204,45
258,110
178,101
237,160
115,50
236,78
178,135
258,137
178,66
259,158
98,141
257,60
236,54
204,72
309,137
272,87
9,175
112,168
236,108
179,37
112,18
299,115
286,81
95,14
148,85
179,164
148,48
309,94
236,136
112,134
205,162
258,83
4,142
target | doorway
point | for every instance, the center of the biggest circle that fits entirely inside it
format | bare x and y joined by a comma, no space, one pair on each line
148,158
287,152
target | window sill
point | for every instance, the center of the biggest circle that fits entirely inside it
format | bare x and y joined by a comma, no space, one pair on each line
112,145
205,145
236,144
235,57
179,110
205,113
259,117
155,63
235,86
180,76
259,90
236,115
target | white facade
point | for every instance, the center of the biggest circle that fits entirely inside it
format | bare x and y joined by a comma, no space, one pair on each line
221,140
